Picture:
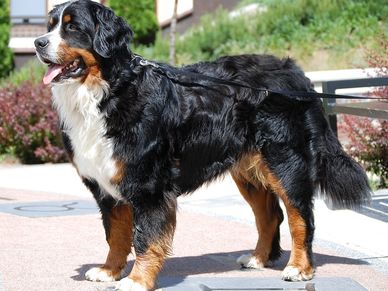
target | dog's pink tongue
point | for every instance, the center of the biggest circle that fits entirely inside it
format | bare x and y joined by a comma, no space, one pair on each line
51,73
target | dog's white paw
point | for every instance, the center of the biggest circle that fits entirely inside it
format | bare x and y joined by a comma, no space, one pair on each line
128,284
99,275
291,273
249,261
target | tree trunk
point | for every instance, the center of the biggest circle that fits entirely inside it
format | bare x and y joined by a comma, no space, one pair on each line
173,33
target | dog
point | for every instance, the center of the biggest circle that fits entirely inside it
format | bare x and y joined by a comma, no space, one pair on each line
141,133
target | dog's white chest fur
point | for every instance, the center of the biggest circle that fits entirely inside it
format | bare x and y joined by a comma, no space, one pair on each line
77,106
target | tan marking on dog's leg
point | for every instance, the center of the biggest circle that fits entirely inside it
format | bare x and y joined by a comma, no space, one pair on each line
254,168
299,266
266,221
120,242
251,182
148,265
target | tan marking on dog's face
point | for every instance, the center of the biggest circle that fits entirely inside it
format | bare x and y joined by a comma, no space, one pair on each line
66,18
67,54
93,75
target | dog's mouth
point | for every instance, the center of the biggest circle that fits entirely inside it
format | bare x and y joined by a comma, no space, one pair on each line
59,72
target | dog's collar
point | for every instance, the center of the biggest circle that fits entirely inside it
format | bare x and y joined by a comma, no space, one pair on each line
139,61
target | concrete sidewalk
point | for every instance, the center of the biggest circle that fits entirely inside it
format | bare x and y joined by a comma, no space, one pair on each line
51,234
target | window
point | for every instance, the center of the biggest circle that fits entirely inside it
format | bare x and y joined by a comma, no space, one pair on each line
32,11
165,10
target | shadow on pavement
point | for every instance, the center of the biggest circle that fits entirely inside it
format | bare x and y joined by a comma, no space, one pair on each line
221,263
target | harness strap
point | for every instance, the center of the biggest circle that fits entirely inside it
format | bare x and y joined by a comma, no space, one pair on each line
195,77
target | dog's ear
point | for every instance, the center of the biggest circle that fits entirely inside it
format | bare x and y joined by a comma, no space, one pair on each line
113,34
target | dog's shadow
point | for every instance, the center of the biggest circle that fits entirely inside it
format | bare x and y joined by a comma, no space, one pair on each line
181,267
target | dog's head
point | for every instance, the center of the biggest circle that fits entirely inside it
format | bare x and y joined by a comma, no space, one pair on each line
81,35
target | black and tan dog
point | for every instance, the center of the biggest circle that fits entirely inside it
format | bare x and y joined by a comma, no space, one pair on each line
141,134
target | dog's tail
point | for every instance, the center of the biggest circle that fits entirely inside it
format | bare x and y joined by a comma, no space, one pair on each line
341,180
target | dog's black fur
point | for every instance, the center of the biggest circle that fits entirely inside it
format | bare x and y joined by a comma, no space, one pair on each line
174,131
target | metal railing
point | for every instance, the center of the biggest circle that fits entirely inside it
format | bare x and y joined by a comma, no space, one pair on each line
373,109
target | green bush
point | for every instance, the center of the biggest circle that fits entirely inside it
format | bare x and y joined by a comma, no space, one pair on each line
33,71
141,17
6,60
297,28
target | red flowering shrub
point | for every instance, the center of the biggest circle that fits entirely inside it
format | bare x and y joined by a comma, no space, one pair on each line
368,143
29,125
368,138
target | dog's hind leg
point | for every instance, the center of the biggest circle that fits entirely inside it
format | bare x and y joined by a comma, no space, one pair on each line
258,184
296,192
268,216
118,223
301,224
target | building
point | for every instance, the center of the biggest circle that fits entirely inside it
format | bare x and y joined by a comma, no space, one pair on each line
189,12
29,18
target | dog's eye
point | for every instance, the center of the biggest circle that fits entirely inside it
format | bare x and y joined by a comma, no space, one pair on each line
71,27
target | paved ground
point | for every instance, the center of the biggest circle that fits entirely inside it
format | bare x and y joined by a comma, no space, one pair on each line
51,234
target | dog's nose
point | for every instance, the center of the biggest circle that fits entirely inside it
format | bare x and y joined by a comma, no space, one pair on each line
41,42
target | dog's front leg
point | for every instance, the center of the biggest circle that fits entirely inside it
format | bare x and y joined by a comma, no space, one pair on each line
118,223
154,230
